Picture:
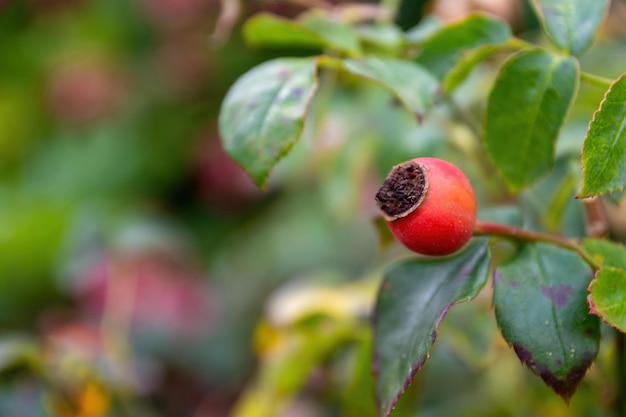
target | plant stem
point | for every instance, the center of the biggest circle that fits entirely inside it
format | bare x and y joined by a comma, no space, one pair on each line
595,220
229,13
517,234
596,80
518,43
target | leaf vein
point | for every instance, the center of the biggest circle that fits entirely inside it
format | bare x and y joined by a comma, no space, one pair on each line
546,281
526,141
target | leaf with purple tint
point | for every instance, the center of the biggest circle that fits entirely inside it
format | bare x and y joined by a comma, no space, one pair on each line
541,309
263,113
414,298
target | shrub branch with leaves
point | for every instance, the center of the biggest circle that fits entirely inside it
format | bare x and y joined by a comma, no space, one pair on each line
550,296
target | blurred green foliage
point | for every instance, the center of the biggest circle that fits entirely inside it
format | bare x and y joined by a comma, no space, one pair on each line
142,271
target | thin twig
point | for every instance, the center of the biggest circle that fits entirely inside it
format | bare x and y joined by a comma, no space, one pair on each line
517,234
596,80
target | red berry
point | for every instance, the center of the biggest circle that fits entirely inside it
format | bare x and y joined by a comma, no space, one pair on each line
429,206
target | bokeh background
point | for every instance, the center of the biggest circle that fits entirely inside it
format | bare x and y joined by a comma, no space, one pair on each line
143,274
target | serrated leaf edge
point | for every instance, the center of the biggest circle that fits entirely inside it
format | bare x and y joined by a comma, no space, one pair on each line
418,365
582,165
521,352
517,189
592,308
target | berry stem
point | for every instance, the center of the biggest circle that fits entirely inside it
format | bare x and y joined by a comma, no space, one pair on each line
522,235
596,80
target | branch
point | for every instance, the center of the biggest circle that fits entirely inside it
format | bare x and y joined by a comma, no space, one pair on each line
522,235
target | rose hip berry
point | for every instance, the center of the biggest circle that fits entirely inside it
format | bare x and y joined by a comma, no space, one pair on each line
429,206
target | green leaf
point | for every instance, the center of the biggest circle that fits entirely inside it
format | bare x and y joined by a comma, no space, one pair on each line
604,149
525,111
442,50
459,72
616,196
505,214
541,309
263,113
313,29
549,203
337,35
427,26
387,37
357,399
607,292
265,29
413,86
570,24
607,297
414,298
605,252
